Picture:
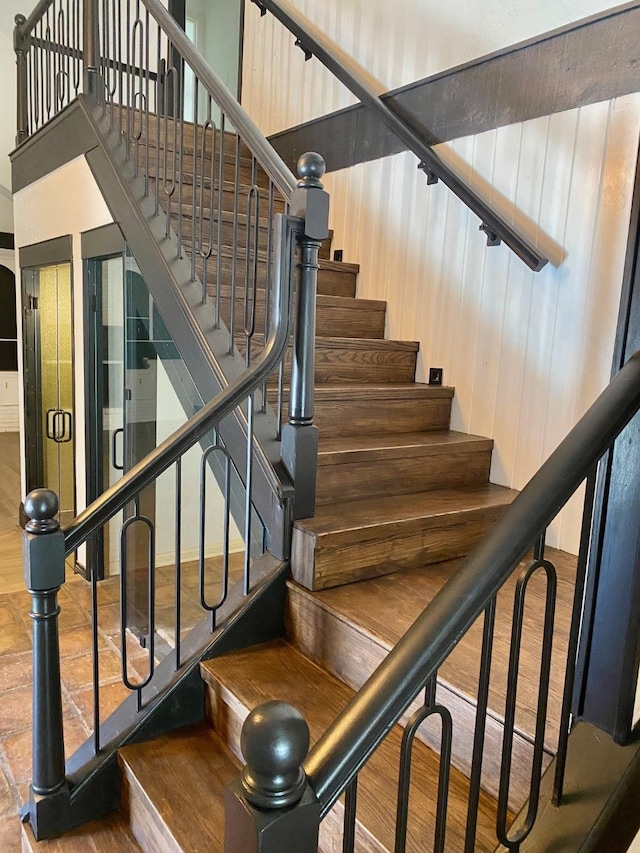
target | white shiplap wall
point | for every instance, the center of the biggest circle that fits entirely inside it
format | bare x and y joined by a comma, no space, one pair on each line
526,352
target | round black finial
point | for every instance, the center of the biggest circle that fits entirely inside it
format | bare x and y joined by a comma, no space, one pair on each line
275,742
41,505
311,167
19,20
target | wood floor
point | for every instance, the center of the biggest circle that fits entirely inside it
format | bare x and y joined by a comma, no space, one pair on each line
10,497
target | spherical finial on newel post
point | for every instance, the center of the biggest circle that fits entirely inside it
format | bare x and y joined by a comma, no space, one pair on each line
41,506
272,807
275,742
311,168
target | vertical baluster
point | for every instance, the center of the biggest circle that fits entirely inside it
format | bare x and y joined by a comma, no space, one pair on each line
221,182
247,500
90,47
95,662
513,842
234,246
350,811
147,101
181,163
574,634
178,562
22,111
129,76
212,608
484,676
137,686
267,282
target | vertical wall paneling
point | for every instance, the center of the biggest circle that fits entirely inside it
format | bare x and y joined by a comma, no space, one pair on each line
527,353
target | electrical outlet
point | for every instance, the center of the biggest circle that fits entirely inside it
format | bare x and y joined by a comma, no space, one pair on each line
435,376
337,255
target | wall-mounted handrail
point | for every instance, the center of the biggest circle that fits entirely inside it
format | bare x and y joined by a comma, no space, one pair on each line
344,748
313,41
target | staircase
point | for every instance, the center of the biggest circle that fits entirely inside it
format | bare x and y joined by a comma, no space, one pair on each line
400,498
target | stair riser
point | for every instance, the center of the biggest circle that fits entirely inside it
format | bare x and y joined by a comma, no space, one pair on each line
400,476
370,417
227,715
153,165
331,281
348,556
330,320
149,830
345,366
353,655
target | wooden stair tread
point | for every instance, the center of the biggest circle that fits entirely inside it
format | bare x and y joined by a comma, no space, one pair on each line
334,451
382,609
278,671
385,511
170,774
109,834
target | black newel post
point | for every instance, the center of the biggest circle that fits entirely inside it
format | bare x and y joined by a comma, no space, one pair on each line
90,46
299,447
22,113
43,555
272,808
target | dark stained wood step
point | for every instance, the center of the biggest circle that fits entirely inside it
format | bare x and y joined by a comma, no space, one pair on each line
379,409
336,316
110,834
373,615
277,671
335,278
173,790
350,541
366,466
359,360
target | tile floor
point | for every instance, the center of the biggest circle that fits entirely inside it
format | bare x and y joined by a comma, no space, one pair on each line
76,670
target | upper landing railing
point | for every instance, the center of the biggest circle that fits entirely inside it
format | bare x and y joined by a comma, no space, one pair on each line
316,43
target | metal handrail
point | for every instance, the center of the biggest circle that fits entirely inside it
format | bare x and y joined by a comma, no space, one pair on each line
345,747
262,149
34,17
162,457
313,41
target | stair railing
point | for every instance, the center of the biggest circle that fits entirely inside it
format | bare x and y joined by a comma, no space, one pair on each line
248,218
313,42
318,779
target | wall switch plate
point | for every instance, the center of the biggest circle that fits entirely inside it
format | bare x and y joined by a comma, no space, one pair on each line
337,255
435,376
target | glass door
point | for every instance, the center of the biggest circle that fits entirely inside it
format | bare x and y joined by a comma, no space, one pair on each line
50,421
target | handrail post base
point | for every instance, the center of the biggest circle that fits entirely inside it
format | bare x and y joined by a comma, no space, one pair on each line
254,830
299,454
49,814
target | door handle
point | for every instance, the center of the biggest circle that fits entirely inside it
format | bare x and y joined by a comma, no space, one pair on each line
113,449
67,421
50,423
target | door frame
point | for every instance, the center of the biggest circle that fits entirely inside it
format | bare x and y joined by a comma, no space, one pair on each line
33,257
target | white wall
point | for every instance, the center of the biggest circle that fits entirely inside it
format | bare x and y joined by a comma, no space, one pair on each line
526,352
67,201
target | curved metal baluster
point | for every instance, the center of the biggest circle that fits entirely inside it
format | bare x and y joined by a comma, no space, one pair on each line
224,583
194,195
137,686
169,186
139,102
221,182
514,842
247,497
267,281
49,67
429,709
234,247
475,778
205,253
251,269
181,161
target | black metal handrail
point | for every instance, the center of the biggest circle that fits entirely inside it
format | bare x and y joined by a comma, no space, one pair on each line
344,748
314,42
